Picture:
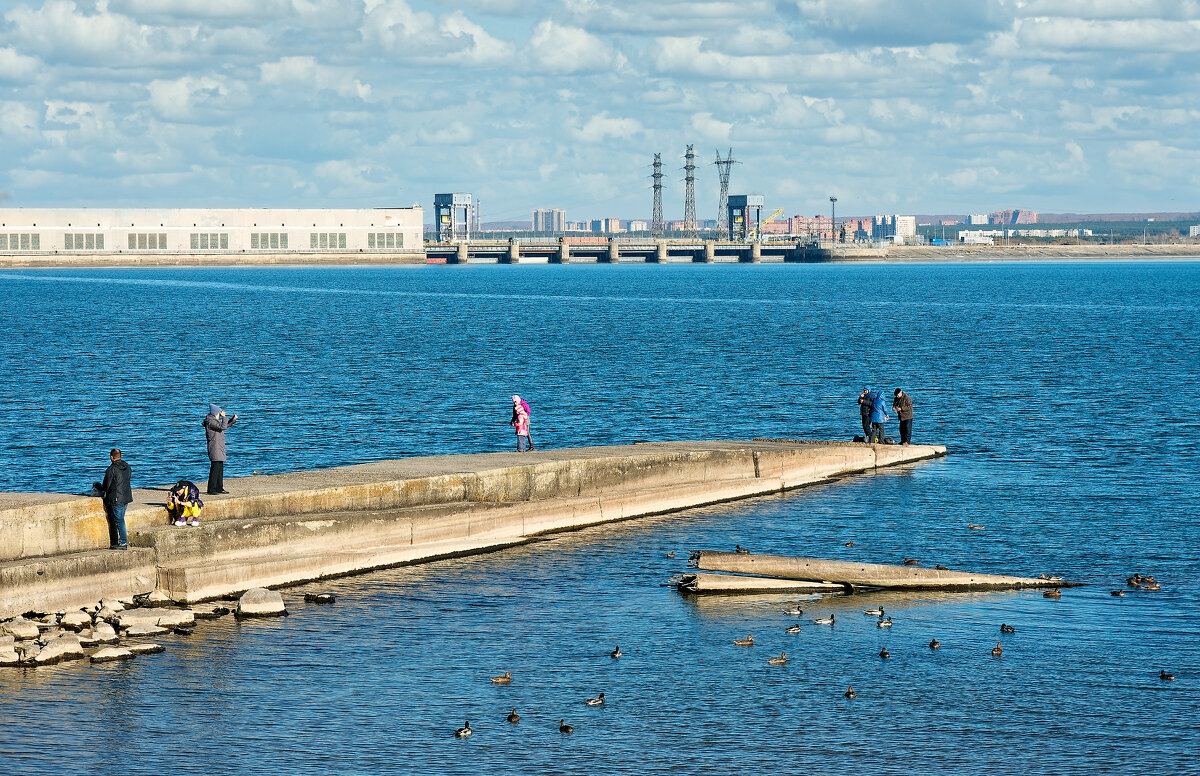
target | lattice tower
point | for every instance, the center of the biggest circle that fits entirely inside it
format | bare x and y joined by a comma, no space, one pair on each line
689,199
657,227
723,168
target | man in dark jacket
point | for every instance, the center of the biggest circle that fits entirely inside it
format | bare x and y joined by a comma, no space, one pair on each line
117,494
902,404
864,411
214,429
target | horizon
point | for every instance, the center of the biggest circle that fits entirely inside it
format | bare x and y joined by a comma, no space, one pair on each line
931,108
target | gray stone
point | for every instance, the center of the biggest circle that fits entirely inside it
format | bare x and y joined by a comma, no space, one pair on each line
104,633
261,602
109,654
107,614
6,642
76,621
144,629
165,617
111,604
65,647
9,657
145,648
158,597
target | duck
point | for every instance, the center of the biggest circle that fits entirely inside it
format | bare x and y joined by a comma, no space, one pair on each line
935,644
824,620
876,612
506,678
883,653
563,727
1117,593
513,717
997,650
597,701
670,555
1151,586
884,623
792,628
778,661
740,550
911,562
616,653
1055,593
849,544
1006,628
1166,677
464,731
794,611
975,526
746,642
940,567
850,693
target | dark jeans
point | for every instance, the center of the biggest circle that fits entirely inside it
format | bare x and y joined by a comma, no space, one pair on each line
116,524
216,476
876,434
866,421
905,431
522,443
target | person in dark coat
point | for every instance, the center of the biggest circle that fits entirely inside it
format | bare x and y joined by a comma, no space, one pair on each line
864,411
902,404
117,495
215,425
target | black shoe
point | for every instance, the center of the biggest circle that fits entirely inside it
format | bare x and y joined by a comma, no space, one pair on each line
223,492
119,547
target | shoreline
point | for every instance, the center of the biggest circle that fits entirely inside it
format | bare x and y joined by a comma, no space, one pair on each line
898,254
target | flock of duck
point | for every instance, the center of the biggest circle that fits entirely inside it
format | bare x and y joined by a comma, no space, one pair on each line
513,717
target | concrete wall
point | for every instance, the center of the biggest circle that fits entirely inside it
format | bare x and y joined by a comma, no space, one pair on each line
307,525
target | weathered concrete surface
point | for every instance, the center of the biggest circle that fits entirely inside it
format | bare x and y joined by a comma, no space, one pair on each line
731,583
858,574
287,528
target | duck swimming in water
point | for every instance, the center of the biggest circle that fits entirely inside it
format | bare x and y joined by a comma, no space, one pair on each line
616,653
740,550
563,727
876,612
911,562
975,526
778,661
997,650
850,693
1166,677
1006,628
464,731
1055,593
884,623
746,642
824,620
1117,593
792,628
597,701
793,611
935,644
506,678
513,717
849,544
883,653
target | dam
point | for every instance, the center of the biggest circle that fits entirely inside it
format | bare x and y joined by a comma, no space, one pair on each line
289,528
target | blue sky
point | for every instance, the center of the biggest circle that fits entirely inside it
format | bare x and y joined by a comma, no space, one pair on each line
928,106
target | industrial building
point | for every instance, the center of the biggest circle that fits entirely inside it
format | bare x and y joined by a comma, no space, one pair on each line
210,231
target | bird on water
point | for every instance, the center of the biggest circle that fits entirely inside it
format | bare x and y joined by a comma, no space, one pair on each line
1166,677
997,650
911,562
883,653
1055,593
793,611
1006,628
597,701
464,731
746,642
850,693
563,727
1117,593
616,653
849,544
506,678
935,644
824,620
740,550
876,612
884,623
513,717
792,628
778,661
670,555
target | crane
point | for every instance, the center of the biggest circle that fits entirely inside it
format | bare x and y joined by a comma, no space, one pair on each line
758,229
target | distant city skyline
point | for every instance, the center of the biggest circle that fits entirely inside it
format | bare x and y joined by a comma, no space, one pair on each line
930,106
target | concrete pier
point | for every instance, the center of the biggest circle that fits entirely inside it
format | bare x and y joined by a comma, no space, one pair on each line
288,528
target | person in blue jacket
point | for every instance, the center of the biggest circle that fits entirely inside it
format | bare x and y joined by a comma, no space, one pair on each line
879,416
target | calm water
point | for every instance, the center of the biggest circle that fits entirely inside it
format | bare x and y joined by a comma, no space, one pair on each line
1066,394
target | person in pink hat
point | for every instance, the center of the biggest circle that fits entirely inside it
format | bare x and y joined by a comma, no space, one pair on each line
520,421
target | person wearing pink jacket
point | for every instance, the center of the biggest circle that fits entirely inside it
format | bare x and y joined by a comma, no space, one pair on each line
520,421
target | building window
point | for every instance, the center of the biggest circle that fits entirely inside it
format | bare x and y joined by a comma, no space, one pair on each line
69,242
195,241
312,240
143,242
132,242
370,239
152,241
25,242
20,242
324,239
224,241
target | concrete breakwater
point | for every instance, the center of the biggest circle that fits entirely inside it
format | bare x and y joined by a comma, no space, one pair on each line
288,528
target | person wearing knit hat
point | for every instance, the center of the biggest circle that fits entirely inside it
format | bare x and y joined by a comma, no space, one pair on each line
520,421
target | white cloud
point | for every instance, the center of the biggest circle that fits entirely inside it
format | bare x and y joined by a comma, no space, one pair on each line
602,125
18,121
59,30
408,34
557,50
710,128
454,133
291,72
1037,35
192,97
15,66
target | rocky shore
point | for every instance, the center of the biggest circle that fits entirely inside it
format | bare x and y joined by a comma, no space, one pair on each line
111,629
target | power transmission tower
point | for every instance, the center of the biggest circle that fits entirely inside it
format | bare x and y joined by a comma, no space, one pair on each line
656,226
689,200
723,167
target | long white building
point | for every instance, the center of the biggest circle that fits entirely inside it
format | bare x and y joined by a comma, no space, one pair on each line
114,231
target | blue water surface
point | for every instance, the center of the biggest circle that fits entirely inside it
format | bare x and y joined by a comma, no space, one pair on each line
1066,394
